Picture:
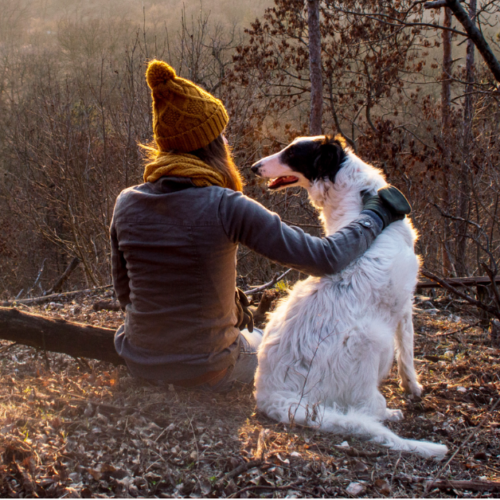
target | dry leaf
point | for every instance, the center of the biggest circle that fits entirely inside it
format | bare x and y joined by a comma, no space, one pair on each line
383,486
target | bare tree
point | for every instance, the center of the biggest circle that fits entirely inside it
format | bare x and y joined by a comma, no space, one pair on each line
447,64
315,70
463,194
445,121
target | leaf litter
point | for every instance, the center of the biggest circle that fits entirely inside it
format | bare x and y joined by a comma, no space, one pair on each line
84,428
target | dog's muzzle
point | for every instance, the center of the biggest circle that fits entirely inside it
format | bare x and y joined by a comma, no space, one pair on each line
256,167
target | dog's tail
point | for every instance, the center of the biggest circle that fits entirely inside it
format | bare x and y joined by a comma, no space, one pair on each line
353,422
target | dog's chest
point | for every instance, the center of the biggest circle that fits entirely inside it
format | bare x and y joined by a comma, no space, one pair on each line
382,278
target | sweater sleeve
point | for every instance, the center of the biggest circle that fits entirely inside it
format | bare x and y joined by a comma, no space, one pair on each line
119,269
247,222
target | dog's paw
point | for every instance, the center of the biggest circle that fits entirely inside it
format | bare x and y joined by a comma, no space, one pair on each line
393,415
413,388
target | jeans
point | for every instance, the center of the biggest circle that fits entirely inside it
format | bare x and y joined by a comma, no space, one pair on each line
246,364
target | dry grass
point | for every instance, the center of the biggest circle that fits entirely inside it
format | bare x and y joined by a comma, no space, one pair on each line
71,428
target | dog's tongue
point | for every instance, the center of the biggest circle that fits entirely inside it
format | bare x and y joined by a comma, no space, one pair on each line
282,181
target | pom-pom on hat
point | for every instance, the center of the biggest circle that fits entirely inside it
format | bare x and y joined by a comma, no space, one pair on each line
185,117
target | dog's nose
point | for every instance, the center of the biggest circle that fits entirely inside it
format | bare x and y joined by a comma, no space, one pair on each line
255,168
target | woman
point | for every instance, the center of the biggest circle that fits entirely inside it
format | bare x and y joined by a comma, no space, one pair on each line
174,241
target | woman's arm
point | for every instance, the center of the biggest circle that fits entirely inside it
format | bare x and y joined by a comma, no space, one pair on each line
248,222
119,269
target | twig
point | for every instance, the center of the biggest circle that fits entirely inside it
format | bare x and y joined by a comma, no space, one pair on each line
238,470
38,277
302,394
395,469
468,485
269,284
7,347
474,484
274,488
55,296
56,287
354,452
458,331
102,406
83,362
473,432
195,442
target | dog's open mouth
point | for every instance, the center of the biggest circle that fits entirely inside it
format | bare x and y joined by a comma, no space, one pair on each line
282,181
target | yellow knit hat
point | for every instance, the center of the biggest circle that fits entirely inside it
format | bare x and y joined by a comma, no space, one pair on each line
185,117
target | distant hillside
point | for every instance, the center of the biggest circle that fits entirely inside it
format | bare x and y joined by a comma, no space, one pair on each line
20,17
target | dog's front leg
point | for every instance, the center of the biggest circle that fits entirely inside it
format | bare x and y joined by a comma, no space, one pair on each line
404,347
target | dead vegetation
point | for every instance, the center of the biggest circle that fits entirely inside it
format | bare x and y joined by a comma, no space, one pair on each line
75,428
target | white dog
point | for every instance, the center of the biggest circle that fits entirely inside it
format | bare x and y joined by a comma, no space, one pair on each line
330,343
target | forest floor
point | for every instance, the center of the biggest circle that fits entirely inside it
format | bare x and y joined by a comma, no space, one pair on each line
73,428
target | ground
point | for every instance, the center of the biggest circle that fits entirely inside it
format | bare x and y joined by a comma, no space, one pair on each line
81,428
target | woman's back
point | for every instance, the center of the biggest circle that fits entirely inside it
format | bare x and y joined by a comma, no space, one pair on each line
180,266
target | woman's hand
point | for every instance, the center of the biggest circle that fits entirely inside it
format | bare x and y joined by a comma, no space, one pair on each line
390,204
245,316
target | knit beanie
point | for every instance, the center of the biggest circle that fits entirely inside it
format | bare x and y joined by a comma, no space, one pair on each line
185,117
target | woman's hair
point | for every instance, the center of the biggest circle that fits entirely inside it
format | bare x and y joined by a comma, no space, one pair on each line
216,154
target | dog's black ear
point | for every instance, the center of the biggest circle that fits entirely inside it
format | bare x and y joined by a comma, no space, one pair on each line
330,157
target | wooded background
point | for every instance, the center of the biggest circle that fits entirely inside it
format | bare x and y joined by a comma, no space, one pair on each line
401,80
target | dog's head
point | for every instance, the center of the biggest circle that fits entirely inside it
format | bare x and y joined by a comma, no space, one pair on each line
304,161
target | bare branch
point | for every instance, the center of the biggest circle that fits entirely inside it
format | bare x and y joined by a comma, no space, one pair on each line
398,21
269,284
435,5
476,36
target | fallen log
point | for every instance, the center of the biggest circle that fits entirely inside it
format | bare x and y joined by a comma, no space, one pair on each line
57,335
469,281
452,288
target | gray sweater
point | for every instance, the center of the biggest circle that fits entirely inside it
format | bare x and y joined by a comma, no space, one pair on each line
173,249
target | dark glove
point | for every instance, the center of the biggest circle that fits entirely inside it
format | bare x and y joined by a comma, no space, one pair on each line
389,204
245,316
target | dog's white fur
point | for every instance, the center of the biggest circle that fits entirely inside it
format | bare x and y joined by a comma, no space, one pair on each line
330,343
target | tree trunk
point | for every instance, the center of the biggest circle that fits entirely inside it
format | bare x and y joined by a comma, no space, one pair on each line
463,182
446,77
468,108
315,70
445,122
58,335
